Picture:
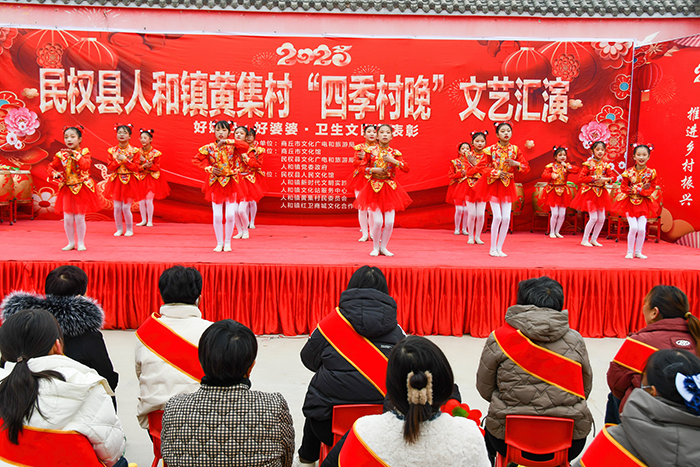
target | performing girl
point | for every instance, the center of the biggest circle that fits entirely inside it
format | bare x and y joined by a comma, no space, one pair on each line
475,209
219,160
382,195
556,193
497,185
123,186
458,183
70,167
358,179
636,200
246,165
592,195
256,151
153,185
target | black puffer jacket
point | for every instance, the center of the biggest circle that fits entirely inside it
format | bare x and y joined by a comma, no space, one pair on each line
373,315
80,319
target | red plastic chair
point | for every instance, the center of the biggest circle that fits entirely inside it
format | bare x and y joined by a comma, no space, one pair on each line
344,417
537,435
155,425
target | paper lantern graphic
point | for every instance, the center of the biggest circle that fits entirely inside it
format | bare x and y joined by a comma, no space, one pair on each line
647,77
526,63
41,48
91,54
573,62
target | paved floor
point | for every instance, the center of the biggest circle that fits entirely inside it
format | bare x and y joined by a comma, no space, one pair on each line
279,369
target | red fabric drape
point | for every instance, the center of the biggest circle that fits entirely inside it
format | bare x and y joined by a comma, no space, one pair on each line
292,299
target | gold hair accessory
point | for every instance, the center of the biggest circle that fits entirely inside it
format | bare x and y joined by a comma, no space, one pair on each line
420,396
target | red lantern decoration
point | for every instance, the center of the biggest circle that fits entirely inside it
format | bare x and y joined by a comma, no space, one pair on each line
41,48
573,62
91,54
647,77
526,63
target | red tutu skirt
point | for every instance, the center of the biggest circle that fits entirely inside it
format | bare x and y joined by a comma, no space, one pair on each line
84,202
158,186
252,191
387,199
459,193
496,191
232,192
261,182
552,199
646,208
589,201
356,182
118,191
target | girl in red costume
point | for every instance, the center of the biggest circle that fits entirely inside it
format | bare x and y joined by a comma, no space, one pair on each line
123,185
475,209
70,167
497,185
382,195
219,160
255,151
592,195
458,185
635,199
358,180
153,185
556,194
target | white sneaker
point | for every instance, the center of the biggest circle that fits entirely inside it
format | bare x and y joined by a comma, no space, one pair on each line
585,243
68,247
245,235
470,241
494,253
457,232
118,233
238,235
552,235
501,254
640,255
465,232
251,226
364,238
478,241
629,256
374,253
219,248
595,243
386,252
129,233
227,247
559,235
142,223
150,224
81,248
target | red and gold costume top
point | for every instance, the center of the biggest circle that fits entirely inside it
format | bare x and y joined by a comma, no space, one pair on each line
247,163
72,169
258,152
591,173
633,182
225,158
361,151
561,174
123,170
458,169
495,165
152,156
376,160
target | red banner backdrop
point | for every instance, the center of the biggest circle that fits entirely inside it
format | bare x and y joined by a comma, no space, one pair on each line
308,97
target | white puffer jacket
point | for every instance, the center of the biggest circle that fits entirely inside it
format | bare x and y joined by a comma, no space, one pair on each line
158,380
81,403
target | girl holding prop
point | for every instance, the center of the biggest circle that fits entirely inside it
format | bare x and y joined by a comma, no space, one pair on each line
153,185
556,194
123,185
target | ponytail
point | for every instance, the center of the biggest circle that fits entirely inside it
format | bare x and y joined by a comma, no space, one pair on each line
420,399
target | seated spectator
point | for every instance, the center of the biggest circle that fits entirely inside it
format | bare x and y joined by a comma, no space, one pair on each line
513,379
224,422
167,362
364,320
419,380
79,317
43,390
670,325
661,421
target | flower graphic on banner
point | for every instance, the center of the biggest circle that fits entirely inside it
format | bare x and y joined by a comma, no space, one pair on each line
621,87
613,53
50,55
44,201
617,146
19,131
611,113
7,38
645,53
592,132
22,121
566,67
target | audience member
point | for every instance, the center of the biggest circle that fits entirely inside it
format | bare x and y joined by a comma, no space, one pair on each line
224,423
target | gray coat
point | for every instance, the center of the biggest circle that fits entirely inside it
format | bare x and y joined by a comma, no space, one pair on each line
512,391
658,432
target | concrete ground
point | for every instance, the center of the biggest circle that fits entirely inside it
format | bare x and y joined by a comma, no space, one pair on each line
279,369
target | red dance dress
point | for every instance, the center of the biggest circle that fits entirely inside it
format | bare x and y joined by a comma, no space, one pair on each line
152,180
635,201
497,182
382,192
247,166
123,181
358,180
224,187
556,193
76,190
592,195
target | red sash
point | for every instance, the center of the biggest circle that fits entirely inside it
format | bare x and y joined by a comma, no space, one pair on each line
170,346
356,349
541,363
634,355
605,451
356,452
40,447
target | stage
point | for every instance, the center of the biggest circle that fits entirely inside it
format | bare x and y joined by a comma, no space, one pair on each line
285,278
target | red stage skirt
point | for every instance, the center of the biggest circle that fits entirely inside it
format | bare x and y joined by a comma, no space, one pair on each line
261,182
232,192
252,191
84,202
460,193
387,199
159,187
356,182
552,199
646,208
483,191
589,201
118,191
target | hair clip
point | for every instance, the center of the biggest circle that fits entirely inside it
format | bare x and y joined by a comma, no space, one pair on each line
81,127
689,389
651,147
65,128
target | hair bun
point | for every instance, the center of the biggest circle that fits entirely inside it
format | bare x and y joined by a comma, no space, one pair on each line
420,388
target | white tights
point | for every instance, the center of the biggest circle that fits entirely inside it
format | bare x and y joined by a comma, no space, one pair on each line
123,208
460,217
218,209
475,218
242,220
364,217
80,228
557,219
146,208
381,239
500,224
594,224
253,210
637,233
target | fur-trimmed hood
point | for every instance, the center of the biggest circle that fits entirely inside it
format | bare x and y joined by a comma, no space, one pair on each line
76,315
